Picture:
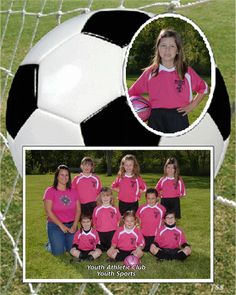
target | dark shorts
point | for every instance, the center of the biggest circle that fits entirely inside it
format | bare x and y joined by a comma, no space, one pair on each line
122,255
148,242
170,254
167,120
172,204
87,209
105,239
123,207
84,254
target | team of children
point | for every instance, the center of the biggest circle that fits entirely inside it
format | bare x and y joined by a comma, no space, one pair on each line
130,229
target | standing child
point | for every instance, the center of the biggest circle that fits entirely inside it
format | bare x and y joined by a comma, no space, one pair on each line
86,244
88,186
129,184
171,187
127,239
169,83
106,217
151,216
170,242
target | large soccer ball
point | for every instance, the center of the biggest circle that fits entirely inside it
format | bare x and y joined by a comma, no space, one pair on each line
72,75
69,91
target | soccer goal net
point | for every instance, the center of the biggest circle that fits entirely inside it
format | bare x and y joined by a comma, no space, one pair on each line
23,23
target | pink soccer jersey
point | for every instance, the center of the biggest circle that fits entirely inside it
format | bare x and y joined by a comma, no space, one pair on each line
171,238
88,187
166,185
128,240
151,218
63,203
129,188
86,241
166,90
106,218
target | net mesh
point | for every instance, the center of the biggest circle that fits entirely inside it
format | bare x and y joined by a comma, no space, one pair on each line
23,24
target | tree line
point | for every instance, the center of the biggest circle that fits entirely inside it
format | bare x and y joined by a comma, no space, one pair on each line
142,51
191,162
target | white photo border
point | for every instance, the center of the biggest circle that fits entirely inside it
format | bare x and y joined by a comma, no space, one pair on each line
213,72
83,148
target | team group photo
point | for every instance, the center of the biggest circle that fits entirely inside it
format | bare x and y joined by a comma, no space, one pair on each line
119,214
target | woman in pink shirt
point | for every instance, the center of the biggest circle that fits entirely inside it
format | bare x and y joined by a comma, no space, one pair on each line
170,84
170,187
129,184
170,242
63,211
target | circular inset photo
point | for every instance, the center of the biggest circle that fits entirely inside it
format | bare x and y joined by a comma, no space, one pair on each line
169,74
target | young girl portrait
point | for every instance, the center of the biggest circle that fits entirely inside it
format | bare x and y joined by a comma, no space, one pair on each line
88,186
151,216
127,239
106,217
172,87
129,184
170,242
171,187
86,243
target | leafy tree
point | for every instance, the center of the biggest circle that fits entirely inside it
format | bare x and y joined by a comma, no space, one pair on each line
142,51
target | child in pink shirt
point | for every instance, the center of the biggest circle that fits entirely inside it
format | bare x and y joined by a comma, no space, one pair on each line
151,216
86,243
129,184
170,242
127,239
171,187
87,185
106,217
170,84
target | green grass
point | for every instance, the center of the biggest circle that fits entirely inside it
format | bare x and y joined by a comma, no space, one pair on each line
217,20
42,265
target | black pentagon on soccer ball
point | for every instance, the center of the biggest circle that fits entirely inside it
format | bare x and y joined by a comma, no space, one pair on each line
22,99
116,125
219,108
115,26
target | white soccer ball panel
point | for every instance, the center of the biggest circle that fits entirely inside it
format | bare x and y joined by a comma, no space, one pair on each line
43,128
81,76
206,133
55,38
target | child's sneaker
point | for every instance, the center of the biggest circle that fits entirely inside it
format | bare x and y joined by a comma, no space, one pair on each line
90,258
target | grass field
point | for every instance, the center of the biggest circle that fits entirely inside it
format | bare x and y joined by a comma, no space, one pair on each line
195,222
216,19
